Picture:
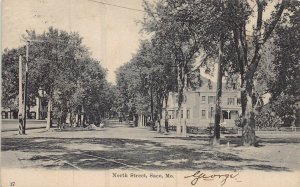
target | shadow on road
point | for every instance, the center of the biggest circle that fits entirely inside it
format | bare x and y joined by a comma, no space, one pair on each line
143,154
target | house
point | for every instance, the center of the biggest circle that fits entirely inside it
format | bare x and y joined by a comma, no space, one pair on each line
37,111
198,107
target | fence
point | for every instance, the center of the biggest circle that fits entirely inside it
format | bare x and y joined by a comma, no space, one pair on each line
280,129
205,130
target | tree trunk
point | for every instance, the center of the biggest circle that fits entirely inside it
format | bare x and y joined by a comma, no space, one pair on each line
71,117
166,113
180,82
49,121
248,136
218,111
151,98
64,117
159,98
64,111
248,113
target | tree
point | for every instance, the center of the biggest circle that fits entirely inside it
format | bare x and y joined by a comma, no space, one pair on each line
52,61
146,81
183,26
91,93
10,77
278,75
193,29
285,84
250,57
193,26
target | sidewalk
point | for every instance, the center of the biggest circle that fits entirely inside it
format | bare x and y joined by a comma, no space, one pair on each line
13,124
16,129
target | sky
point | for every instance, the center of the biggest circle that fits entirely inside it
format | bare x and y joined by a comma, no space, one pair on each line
111,33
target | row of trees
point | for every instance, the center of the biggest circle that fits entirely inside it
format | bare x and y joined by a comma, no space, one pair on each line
61,66
145,82
261,49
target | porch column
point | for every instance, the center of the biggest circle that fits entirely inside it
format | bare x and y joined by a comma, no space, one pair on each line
184,128
178,126
228,114
140,120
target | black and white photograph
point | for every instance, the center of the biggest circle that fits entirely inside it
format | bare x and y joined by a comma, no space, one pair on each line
150,93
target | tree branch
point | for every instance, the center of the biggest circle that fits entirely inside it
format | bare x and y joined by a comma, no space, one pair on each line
257,56
275,21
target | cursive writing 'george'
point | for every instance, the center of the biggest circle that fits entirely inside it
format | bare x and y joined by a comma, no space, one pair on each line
201,175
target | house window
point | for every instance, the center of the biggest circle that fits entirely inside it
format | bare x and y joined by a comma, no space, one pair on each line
181,113
4,115
238,101
33,102
171,114
203,114
176,114
211,100
209,84
32,115
211,112
234,114
234,86
187,114
230,101
203,98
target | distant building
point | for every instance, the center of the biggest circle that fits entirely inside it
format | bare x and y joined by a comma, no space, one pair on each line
198,108
37,111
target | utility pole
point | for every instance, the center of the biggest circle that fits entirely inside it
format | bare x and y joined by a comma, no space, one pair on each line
25,87
20,96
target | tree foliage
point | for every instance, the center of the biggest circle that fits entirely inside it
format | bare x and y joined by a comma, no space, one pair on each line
193,27
60,65
147,79
280,72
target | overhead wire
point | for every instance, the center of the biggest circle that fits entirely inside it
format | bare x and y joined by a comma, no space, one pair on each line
119,6
139,10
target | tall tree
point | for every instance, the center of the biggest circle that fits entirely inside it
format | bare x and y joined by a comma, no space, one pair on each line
284,81
183,26
147,79
249,57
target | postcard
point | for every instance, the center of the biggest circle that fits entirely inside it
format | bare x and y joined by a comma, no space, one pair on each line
150,93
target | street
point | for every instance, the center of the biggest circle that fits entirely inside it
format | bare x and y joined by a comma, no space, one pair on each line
121,146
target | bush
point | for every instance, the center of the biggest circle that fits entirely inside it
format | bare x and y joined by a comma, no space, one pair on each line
285,108
267,119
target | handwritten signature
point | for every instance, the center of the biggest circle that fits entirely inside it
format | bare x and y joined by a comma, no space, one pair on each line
201,175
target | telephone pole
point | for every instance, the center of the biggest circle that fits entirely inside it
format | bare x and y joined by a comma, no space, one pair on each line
20,96
25,87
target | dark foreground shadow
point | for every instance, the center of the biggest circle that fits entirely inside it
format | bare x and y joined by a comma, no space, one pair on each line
105,153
